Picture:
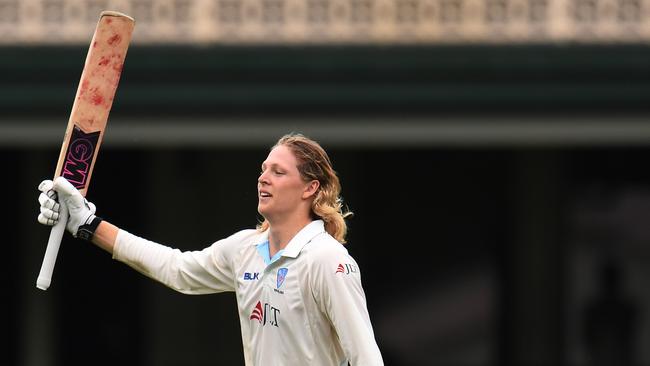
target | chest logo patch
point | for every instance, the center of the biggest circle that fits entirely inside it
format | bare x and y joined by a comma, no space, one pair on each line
265,314
251,276
282,274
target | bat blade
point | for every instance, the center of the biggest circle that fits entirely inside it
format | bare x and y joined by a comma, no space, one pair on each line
92,104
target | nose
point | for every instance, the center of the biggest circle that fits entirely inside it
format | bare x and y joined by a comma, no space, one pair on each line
262,179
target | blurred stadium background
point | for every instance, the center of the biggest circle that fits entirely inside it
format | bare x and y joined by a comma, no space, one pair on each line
494,152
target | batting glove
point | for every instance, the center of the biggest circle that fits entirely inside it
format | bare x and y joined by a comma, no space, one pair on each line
82,221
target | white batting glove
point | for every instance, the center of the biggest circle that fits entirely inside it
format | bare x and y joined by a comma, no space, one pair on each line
82,212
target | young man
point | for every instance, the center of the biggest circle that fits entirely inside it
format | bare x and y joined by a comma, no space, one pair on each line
298,290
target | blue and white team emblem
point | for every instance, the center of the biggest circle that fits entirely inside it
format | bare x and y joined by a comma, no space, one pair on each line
282,274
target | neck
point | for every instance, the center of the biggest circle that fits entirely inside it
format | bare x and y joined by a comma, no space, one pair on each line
281,233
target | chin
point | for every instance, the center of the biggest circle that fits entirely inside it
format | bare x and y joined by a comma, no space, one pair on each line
262,210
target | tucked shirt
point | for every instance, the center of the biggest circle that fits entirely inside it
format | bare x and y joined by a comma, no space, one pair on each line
304,306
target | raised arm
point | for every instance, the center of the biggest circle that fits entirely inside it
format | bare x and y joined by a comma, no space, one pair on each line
105,236
192,272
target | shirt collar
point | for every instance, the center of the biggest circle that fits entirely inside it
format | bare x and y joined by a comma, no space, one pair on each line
304,236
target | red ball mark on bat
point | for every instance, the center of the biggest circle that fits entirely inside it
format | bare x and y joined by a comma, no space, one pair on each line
104,61
109,20
94,44
84,87
97,98
115,39
118,66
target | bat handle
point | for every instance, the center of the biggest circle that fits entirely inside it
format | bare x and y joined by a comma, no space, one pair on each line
45,276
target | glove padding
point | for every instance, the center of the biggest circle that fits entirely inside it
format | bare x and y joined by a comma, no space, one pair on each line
81,211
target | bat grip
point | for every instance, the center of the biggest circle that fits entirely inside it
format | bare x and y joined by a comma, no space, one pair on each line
53,244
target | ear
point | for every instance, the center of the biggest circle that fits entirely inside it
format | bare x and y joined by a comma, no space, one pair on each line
310,189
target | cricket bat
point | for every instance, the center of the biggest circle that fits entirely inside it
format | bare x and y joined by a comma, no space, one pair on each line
92,104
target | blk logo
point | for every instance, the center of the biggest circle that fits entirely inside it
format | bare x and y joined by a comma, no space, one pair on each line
265,314
346,268
251,276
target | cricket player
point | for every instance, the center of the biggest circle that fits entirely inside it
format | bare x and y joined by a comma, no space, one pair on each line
299,292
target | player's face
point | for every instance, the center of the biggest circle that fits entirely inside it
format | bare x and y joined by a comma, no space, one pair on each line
280,188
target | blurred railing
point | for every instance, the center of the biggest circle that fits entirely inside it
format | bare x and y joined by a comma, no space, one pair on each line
333,21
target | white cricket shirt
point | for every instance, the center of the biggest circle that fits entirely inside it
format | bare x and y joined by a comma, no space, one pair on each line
305,306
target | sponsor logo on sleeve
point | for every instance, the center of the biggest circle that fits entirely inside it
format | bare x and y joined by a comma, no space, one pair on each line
346,268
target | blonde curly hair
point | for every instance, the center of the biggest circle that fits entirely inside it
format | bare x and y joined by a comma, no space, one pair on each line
314,164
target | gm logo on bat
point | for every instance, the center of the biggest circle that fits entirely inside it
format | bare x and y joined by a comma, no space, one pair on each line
79,157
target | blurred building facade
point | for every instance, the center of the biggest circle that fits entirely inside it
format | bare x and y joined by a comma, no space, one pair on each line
327,21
